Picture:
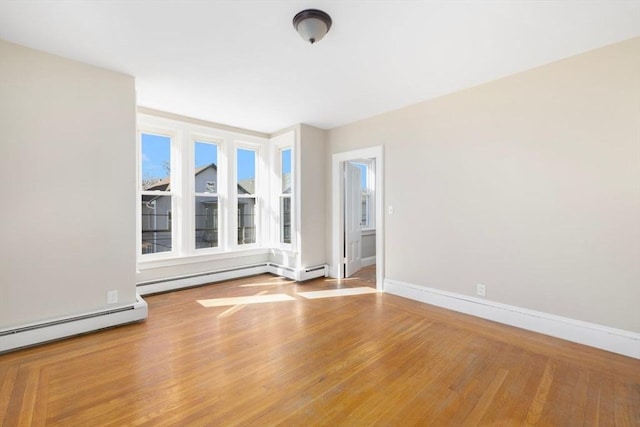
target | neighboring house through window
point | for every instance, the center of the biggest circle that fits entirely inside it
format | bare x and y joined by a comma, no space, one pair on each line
206,208
156,196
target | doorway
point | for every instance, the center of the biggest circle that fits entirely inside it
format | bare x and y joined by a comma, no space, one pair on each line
357,212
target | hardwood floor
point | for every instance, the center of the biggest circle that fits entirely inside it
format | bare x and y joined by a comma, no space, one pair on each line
369,359
366,275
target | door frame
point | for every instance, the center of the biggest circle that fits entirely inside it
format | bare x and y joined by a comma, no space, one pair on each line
337,209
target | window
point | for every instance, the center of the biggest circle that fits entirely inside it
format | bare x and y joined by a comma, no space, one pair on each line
206,209
366,170
201,192
246,195
283,199
285,196
156,199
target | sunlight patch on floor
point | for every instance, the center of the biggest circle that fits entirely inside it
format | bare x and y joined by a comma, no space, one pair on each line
282,282
344,279
337,292
254,299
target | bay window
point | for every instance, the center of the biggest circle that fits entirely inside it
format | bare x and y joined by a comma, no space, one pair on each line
205,191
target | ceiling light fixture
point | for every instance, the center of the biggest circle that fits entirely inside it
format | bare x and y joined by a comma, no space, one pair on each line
312,24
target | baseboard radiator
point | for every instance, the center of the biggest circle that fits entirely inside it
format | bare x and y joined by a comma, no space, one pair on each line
38,333
55,329
181,282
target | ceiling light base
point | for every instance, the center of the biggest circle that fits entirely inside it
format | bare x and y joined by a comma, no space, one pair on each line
312,24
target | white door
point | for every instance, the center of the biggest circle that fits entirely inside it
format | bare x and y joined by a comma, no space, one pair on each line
352,218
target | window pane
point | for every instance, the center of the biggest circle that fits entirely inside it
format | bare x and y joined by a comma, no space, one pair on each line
156,224
206,211
156,162
206,167
364,175
285,219
246,171
365,211
246,220
285,171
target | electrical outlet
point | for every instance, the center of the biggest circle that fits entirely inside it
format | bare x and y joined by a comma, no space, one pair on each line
481,290
112,297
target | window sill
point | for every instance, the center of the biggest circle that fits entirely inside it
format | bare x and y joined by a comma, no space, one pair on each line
194,259
368,231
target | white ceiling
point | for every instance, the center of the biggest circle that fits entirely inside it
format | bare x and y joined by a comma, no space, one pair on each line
241,62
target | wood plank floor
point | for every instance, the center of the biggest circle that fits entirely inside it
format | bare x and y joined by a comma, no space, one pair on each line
369,359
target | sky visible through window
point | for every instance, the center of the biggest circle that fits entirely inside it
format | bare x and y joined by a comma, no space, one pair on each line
286,161
156,152
246,161
205,154
363,174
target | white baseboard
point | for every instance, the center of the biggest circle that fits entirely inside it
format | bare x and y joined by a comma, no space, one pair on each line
176,283
38,333
366,262
591,334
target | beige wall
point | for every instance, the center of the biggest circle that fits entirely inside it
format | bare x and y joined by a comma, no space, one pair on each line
312,190
151,273
529,185
368,245
67,167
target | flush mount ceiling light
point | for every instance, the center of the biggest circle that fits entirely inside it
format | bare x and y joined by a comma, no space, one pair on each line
312,24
